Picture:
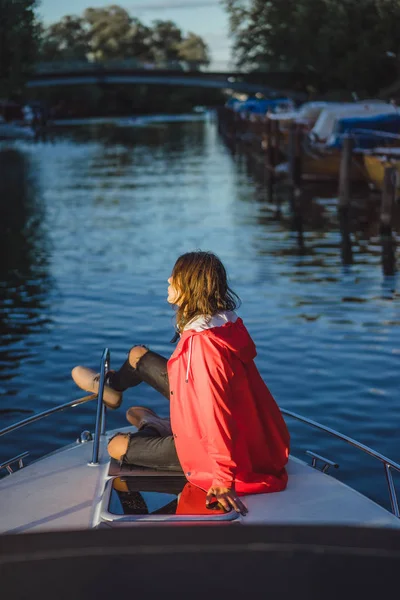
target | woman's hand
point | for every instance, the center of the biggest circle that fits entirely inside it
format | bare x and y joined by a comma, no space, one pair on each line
227,498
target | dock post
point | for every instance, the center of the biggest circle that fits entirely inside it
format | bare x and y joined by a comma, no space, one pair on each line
295,163
346,245
295,154
344,198
388,199
345,171
270,156
278,142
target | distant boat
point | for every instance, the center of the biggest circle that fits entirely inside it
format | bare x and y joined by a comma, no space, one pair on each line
15,131
322,143
14,123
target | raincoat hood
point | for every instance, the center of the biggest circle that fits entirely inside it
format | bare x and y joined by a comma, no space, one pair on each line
225,329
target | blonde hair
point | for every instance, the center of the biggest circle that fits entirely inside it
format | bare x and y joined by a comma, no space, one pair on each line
201,282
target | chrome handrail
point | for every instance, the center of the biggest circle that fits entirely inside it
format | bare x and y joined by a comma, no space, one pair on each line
46,413
100,426
387,462
101,407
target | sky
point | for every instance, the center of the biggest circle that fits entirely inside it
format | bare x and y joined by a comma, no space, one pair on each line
206,18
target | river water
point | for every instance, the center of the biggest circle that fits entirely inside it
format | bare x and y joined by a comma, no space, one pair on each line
92,222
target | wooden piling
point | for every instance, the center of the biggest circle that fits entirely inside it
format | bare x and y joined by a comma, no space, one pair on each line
295,154
344,192
388,198
278,143
269,157
386,215
346,244
344,199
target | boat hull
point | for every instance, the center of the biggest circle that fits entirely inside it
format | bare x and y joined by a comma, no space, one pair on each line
375,168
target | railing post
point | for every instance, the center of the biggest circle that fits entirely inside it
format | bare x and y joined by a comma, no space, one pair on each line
392,491
100,414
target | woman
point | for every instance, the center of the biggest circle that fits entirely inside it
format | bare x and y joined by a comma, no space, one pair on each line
226,432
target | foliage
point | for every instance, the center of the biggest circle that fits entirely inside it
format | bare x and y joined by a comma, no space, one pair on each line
330,43
68,38
111,33
193,50
165,40
18,43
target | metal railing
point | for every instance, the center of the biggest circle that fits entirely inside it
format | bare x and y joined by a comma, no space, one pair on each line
388,464
100,427
46,413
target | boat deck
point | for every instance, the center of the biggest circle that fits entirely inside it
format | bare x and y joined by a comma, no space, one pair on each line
62,491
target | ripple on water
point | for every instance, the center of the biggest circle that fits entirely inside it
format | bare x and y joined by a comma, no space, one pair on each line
114,213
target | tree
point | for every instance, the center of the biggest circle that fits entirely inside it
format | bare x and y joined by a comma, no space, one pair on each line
65,40
194,51
138,44
109,32
18,43
165,40
332,43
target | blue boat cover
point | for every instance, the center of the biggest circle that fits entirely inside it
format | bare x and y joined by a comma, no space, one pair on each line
259,106
368,132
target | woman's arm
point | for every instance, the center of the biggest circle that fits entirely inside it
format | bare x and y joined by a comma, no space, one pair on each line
212,374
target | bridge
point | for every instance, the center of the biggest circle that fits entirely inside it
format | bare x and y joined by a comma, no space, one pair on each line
128,72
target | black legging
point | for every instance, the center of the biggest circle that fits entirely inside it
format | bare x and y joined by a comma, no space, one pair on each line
151,368
147,448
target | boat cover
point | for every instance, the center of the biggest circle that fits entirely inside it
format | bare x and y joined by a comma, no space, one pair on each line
368,132
260,106
326,122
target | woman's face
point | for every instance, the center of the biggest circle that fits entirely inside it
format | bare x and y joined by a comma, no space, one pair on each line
172,292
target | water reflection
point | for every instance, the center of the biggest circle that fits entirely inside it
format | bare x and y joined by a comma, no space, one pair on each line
105,213
313,207
24,278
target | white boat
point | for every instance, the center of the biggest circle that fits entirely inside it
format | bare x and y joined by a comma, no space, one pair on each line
324,126
97,530
306,114
79,487
15,131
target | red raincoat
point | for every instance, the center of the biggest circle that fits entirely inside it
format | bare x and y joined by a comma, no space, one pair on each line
227,426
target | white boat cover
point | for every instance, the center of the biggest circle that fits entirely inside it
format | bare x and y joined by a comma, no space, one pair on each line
325,124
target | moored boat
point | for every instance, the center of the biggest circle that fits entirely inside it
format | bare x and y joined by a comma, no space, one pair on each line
375,162
368,123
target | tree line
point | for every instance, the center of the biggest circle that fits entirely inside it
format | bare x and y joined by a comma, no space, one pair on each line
18,44
351,45
111,33
322,45
99,34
